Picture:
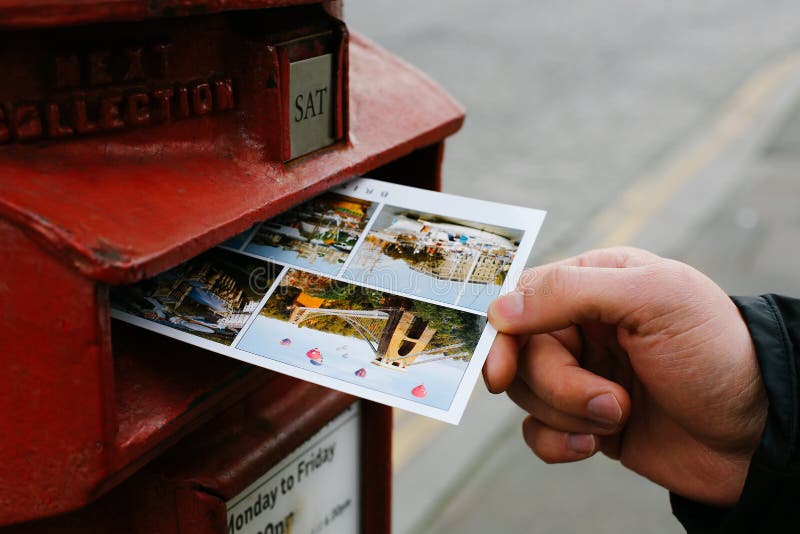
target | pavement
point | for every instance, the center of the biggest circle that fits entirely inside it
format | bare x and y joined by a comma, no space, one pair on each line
675,127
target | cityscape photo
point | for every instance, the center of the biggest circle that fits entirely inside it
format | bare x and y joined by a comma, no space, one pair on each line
211,296
440,258
317,235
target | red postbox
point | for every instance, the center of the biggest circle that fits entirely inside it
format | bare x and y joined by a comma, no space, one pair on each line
234,473
134,135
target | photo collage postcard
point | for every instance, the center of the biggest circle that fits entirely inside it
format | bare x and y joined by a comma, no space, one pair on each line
375,289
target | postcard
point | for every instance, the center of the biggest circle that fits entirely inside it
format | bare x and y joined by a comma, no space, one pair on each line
455,261
366,337
319,234
210,296
375,289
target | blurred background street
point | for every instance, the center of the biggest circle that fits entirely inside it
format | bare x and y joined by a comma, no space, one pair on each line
672,126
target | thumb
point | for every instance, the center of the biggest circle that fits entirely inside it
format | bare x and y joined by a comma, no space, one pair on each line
556,296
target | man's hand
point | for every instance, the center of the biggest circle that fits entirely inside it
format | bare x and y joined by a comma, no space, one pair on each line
640,357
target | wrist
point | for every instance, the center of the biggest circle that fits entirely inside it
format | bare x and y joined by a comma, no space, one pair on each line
749,423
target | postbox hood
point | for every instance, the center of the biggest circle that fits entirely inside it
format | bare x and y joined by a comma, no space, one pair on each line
18,14
121,207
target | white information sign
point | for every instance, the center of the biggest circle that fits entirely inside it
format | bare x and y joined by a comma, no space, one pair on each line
314,490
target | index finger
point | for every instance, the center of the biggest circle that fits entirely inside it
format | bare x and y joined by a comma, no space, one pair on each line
555,296
614,257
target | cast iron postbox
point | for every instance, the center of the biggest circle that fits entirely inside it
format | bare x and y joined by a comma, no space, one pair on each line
289,457
135,135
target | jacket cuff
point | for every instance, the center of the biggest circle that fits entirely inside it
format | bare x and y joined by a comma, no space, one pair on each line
771,494
777,359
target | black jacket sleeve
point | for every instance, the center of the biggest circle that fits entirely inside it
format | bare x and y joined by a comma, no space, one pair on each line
770,500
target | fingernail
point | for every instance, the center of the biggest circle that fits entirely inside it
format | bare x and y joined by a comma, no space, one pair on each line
580,443
487,373
605,409
511,304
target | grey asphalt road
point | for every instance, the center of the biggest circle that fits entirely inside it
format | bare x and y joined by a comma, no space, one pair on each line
569,101
570,105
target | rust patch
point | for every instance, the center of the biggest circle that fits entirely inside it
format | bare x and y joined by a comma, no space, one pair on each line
106,254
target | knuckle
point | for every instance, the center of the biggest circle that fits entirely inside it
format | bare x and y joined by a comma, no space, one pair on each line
616,256
545,281
626,252
626,256
585,259
561,279
528,280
